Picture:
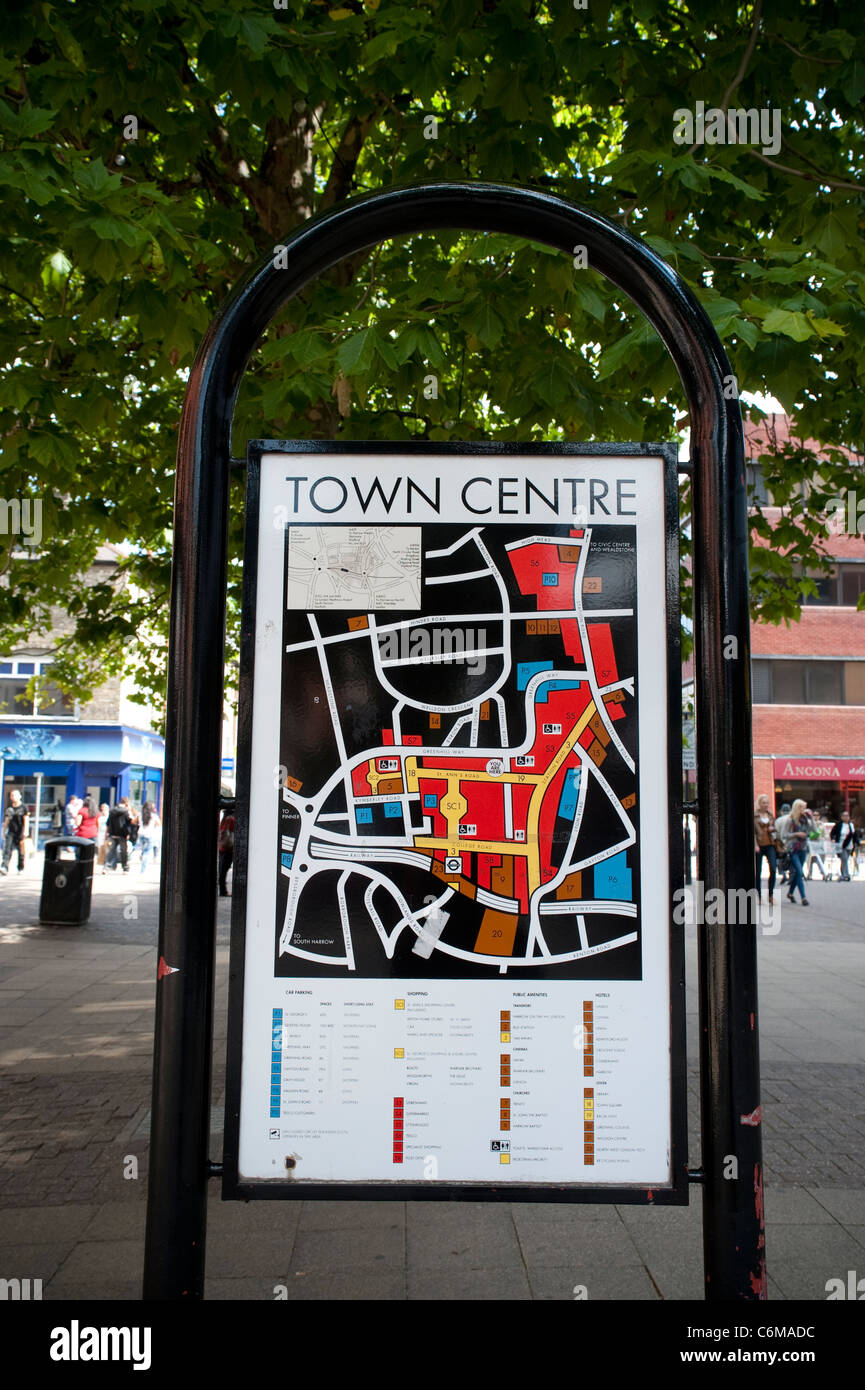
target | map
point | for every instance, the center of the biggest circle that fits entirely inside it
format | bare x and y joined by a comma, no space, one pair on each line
458,784
354,567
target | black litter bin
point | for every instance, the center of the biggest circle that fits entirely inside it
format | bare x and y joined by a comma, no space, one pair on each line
67,880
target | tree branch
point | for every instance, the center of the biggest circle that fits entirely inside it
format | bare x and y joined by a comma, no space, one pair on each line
802,174
743,66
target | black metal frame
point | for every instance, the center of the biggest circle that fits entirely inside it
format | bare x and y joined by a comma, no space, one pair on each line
676,1191
179,1166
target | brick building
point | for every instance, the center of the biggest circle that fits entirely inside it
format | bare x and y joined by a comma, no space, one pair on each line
808,680
52,748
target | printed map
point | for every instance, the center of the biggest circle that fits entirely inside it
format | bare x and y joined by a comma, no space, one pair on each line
458,783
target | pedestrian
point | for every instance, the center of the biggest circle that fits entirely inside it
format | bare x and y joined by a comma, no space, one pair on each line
845,835
225,847
57,817
119,826
73,806
764,843
134,824
16,828
816,850
150,823
88,820
799,826
102,835
780,841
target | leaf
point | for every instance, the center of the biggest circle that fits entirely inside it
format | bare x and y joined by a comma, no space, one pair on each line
112,229
382,46
553,382
356,354
28,121
827,328
794,325
833,236
255,32
591,300
68,45
851,79
485,323
386,352
340,14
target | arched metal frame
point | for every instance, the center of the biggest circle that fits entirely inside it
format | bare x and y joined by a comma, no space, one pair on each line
729,1065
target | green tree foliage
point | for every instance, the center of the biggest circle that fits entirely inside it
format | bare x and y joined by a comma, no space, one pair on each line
151,149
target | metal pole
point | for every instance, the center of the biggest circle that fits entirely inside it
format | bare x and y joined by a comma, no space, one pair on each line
174,1254
38,808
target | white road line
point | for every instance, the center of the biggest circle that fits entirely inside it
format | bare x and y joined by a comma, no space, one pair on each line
456,578
444,659
531,962
473,736
451,549
495,900
503,720
507,788
616,906
343,914
581,928
454,730
517,615
546,540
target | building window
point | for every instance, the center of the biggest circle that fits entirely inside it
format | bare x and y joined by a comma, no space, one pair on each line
852,582
804,682
14,700
840,589
758,493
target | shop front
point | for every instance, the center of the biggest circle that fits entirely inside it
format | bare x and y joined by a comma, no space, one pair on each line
49,763
827,785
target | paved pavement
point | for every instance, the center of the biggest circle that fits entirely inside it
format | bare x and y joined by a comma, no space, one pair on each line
75,1054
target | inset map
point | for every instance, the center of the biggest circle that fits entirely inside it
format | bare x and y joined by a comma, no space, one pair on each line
354,567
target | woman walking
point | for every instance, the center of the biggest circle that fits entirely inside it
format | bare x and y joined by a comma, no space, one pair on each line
799,827
102,835
150,823
87,820
764,843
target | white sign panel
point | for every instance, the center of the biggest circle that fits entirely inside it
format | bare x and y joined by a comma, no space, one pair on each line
456,965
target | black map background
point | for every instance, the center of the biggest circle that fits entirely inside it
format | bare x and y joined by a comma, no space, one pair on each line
308,752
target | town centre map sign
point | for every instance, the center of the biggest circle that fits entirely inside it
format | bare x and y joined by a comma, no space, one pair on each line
455,969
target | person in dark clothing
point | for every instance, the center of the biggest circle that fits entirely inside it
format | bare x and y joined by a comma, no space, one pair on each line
225,847
846,837
119,827
15,829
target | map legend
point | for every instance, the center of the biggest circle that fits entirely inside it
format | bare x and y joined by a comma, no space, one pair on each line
276,1064
505,1025
504,1113
505,1068
397,1129
588,1038
589,1126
